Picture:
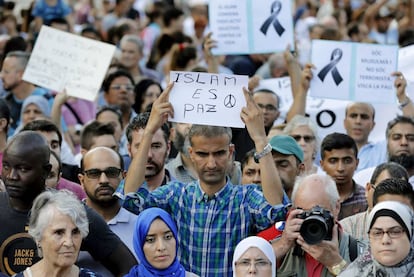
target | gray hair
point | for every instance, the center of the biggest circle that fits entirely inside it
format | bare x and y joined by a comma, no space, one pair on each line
61,200
208,131
330,186
300,120
134,39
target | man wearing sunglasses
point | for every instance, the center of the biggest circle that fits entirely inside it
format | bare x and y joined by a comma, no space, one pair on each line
102,169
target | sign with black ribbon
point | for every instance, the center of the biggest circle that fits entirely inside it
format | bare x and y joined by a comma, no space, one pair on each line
273,20
331,67
251,26
353,71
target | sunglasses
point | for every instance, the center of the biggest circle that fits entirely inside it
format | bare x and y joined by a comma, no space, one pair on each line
307,139
110,172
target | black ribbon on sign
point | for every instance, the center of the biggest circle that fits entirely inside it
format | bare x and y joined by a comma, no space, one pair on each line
335,58
272,19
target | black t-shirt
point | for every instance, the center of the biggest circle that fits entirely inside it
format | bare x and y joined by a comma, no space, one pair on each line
18,250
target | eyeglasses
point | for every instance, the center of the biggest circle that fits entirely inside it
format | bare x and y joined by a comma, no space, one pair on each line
259,264
394,232
110,172
307,139
119,87
268,107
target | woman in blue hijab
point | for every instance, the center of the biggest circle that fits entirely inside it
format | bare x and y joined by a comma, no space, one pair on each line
155,243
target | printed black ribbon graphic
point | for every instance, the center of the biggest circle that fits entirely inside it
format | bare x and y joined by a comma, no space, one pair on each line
335,58
272,19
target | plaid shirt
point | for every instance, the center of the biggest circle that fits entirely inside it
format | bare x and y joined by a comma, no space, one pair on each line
209,228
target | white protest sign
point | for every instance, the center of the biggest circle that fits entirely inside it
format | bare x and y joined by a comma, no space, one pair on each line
251,26
61,60
353,71
208,99
328,114
406,66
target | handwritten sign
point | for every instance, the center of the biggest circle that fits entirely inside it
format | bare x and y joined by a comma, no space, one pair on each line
251,26
208,99
354,71
61,60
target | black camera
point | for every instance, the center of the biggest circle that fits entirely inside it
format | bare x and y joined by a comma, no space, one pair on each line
317,225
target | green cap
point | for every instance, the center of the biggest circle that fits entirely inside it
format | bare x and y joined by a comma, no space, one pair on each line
286,145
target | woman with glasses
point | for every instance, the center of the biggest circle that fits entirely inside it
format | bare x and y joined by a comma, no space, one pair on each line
254,256
305,132
155,243
391,249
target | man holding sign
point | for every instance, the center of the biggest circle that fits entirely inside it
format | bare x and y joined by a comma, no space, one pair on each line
212,214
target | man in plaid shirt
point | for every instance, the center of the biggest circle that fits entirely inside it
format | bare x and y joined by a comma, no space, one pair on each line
212,214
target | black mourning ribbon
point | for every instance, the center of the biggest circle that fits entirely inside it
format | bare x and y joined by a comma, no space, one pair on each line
272,19
335,58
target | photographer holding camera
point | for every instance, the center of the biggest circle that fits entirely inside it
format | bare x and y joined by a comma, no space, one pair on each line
312,243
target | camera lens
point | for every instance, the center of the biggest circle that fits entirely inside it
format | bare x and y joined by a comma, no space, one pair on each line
314,229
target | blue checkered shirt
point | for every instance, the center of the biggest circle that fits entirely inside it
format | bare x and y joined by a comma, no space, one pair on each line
209,228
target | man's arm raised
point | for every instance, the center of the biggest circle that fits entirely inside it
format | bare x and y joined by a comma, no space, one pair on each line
160,111
252,116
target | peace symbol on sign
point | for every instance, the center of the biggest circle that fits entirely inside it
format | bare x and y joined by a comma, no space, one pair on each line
229,101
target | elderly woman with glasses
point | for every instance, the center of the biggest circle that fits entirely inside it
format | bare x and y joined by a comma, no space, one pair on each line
391,250
254,256
58,223
305,132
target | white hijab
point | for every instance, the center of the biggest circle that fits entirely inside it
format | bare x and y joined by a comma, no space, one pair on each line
261,244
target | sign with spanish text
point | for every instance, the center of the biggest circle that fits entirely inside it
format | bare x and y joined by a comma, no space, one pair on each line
63,61
208,99
251,26
354,71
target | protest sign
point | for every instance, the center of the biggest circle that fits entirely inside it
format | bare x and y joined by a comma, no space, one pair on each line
353,71
251,26
328,114
208,99
61,60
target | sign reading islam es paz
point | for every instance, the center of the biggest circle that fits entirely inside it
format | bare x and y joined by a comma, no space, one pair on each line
354,71
61,60
208,99
251,26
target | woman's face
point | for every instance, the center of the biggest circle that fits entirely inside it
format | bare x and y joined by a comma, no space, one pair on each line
160,245
253,262
31,112
305,138
151,94
386,250
61,240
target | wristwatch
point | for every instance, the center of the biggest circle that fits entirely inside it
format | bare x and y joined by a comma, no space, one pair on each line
338,268
257,156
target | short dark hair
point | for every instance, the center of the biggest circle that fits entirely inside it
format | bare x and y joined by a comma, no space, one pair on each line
43,125
338,141
249,154
395,170
170,14
139,91
113,110
92,130
140,122
396,187
111,77
269,91
397,120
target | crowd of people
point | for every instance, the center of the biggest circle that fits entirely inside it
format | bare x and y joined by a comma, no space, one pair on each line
111,187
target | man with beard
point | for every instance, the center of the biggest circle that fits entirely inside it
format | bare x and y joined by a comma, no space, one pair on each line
118,90
102,169
181,166
155,173
400,147
25,169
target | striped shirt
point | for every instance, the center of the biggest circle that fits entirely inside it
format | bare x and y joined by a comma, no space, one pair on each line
209,228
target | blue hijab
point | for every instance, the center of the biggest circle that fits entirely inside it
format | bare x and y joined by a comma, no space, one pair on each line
142,226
